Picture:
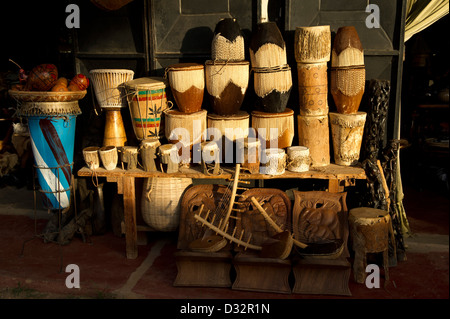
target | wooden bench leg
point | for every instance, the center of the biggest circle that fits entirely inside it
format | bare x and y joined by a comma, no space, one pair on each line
129,205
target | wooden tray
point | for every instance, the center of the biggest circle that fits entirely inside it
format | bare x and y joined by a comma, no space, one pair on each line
37,96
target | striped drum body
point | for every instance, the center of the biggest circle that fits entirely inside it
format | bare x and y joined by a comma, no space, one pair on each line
52,140
147,101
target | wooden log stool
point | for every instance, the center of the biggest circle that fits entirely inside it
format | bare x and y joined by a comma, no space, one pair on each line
370,230
254,273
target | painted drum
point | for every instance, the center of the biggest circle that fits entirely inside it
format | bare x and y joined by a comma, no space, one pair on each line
228,42
226,85
52,133
267,46
147,101
273,88
187,83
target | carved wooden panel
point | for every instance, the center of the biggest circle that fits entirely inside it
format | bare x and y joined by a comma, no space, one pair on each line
277,205
194,197
320,220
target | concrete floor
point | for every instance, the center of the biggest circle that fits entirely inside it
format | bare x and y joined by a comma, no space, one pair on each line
106,273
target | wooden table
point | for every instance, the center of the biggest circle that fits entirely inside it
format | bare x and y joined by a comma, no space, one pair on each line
338,177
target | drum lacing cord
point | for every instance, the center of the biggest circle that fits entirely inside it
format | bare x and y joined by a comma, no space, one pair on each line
270,68
94,174
113,96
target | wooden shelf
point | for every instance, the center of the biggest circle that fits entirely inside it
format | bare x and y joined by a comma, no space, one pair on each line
331,171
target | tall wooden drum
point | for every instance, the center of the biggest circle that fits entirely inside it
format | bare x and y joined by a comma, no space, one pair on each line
276,129
147,101
312,44
226,84
348,73
109,90
314,133
187,83
313,88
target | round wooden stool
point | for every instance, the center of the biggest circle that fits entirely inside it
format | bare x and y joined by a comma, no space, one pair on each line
370,229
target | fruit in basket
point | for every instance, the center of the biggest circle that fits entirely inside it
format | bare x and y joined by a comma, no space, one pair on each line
79,83
42,78
60,85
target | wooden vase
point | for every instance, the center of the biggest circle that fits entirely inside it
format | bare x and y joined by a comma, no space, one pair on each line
313,132
313,88
226,84
312,44
187,83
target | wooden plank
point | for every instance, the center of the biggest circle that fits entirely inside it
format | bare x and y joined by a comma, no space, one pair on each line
331,171
129,203
335,186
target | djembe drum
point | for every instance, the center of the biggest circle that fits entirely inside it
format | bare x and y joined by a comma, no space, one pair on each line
109,86
52,133
147,101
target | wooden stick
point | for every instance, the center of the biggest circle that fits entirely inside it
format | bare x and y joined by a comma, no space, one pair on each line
233,192
384,183
227,236
272,223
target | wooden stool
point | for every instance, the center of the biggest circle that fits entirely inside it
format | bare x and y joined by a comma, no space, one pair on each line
199,269
370,229
254,273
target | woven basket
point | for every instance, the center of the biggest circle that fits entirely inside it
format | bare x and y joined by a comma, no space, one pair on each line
161,202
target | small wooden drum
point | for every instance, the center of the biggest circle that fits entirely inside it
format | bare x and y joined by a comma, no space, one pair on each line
273,162
298,159
276,129
267,46
91,157
313,88
147,150
187,82
168,154
130,156
228,42
273,88
226,84
251,155
226,130
314,133
210,155
312,44
147,101
109,157
347,132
